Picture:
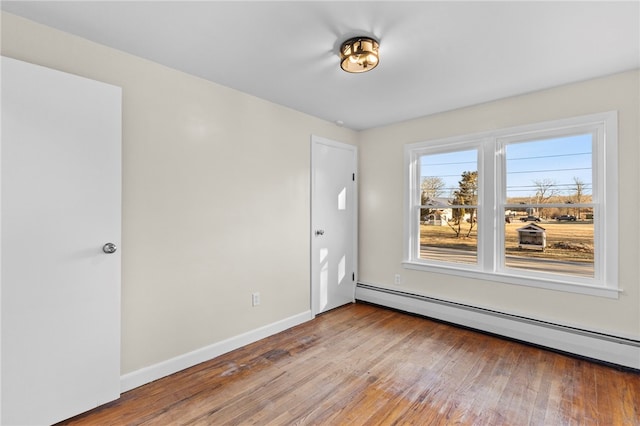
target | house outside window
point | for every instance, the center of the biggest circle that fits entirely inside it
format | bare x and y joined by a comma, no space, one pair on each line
533,205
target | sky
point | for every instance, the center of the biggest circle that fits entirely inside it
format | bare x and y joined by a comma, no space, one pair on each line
557,160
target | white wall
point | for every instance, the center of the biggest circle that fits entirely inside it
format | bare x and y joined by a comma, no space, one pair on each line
216,198
381,205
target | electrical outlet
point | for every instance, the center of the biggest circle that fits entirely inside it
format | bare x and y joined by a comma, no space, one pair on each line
255,299
396,279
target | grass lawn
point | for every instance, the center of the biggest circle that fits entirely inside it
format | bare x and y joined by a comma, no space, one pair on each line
567,241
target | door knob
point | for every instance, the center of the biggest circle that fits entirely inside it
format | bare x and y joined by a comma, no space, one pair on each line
109,248
320,232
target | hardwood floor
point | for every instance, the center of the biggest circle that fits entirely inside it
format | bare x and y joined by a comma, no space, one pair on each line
366,365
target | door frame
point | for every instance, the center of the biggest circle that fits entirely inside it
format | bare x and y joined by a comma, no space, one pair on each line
314,285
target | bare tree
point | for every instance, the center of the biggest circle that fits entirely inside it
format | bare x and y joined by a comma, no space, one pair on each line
432,187
578,187
545,189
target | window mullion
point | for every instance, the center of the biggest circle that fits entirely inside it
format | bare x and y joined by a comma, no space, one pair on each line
487,205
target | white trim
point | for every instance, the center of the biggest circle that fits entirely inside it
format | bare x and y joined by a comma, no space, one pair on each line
512,278
491,202
165,368
599,346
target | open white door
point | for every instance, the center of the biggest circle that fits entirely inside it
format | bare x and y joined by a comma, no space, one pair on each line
333,224
61,204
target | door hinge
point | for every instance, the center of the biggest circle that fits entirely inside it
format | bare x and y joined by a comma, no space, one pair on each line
354,177
353,276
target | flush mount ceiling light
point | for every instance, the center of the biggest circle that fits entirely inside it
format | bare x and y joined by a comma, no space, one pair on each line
359,54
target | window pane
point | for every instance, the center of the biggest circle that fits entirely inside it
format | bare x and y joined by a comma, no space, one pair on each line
552,246
449,232
449,235
547,171
551,230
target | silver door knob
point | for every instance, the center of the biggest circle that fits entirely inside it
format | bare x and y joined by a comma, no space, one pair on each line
109,248
320,232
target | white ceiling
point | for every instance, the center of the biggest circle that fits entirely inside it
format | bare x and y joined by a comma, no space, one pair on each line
434,56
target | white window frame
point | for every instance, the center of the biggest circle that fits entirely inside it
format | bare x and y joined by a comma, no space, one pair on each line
492,202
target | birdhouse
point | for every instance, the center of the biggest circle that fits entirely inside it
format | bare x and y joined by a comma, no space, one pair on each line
532,236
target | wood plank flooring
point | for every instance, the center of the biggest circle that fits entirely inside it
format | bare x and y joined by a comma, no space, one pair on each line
365,365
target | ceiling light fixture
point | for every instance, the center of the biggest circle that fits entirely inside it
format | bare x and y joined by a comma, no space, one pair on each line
359,54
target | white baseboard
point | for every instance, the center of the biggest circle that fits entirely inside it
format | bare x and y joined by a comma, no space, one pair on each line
162,369
611,349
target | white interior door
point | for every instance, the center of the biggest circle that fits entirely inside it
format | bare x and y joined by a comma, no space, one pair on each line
60,194
333,224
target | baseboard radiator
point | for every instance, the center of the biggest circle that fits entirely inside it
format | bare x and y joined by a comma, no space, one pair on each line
584,343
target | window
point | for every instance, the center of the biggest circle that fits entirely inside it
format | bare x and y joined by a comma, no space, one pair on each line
449,205
534,205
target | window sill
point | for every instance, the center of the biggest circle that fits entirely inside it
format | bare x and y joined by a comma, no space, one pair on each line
549,284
